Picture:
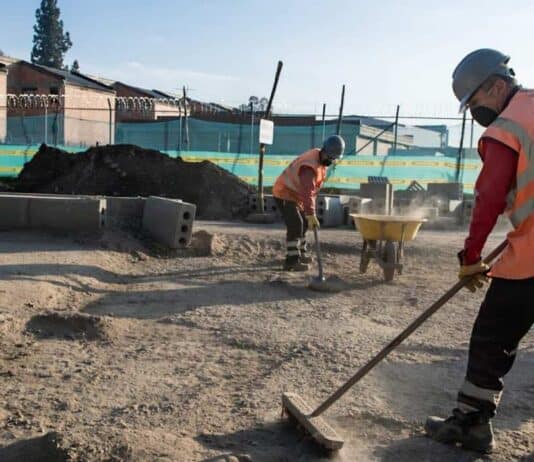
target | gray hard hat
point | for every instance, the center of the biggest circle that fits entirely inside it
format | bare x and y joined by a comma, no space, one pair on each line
475,69
333,147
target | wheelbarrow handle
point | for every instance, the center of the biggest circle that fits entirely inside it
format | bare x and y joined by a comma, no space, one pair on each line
402,336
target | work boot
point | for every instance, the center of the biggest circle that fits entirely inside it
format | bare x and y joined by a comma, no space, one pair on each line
472,430
293,263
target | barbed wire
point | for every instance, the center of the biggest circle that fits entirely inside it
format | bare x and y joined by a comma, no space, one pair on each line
121,103
174,105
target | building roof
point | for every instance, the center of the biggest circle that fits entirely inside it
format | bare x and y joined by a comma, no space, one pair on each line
435,128
73,78
162,94
108,82
370,121
143,91
221,107
7,60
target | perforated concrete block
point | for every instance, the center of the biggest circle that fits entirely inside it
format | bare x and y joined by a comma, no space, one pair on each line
169,221
329,210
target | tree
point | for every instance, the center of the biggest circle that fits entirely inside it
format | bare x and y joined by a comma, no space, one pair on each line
75,66
258,104
50,43
1,53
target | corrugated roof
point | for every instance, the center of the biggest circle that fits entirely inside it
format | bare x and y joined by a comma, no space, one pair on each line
75,78
163,94
146,92
108,82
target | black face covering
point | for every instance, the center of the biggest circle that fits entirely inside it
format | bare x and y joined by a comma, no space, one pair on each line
484,115
326,162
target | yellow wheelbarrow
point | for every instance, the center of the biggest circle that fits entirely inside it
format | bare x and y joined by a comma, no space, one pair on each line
380,233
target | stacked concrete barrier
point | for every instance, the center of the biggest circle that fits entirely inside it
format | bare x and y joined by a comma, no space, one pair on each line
57,213
169,221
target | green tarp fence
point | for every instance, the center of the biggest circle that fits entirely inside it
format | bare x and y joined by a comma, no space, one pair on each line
401,170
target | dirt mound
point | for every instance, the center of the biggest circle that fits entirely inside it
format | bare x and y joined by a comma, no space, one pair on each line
206,244
45,448
70,326
127,170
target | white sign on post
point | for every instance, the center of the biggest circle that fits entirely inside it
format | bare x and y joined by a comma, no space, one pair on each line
266,131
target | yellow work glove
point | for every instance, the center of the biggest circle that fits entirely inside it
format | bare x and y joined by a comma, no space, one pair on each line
476,275
313,222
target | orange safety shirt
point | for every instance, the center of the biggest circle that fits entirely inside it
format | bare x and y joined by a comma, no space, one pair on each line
288,185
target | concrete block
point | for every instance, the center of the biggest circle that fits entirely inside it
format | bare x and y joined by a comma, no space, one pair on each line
359,204
269,204
453,205
450,191
413,198
329,210
124,212
463,211
65,214
13,212
439,202
431,213
382,195
169,221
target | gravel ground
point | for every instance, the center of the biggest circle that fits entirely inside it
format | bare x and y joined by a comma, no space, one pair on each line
131,353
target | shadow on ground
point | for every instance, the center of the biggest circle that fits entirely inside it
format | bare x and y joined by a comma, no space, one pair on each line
154,304
274,442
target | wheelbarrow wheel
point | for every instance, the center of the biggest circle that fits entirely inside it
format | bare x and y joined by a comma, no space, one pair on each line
390,258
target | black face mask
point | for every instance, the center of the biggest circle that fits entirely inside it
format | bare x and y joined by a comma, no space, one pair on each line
484,115
326,162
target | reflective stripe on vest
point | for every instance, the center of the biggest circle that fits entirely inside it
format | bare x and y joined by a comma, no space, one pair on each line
520,200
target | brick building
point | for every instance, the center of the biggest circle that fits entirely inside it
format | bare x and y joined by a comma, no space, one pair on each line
152,105
83,116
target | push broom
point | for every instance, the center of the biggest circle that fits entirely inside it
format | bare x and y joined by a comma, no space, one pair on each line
311,421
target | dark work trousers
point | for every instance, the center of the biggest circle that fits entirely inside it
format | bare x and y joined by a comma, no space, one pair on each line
296,225
505,316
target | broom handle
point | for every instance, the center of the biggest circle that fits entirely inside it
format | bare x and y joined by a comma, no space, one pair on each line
401,337
318,253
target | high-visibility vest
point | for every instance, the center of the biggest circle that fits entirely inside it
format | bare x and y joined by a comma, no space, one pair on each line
287,185
515,128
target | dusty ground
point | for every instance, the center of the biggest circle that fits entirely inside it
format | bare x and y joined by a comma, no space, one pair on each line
188,355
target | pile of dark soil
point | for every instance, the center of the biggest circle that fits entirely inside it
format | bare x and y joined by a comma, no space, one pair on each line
127,170
46,448
70,326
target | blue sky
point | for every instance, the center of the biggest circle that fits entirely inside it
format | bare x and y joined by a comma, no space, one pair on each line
386,52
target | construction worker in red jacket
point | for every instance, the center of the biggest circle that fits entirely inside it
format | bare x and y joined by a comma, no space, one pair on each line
295,191
485,85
